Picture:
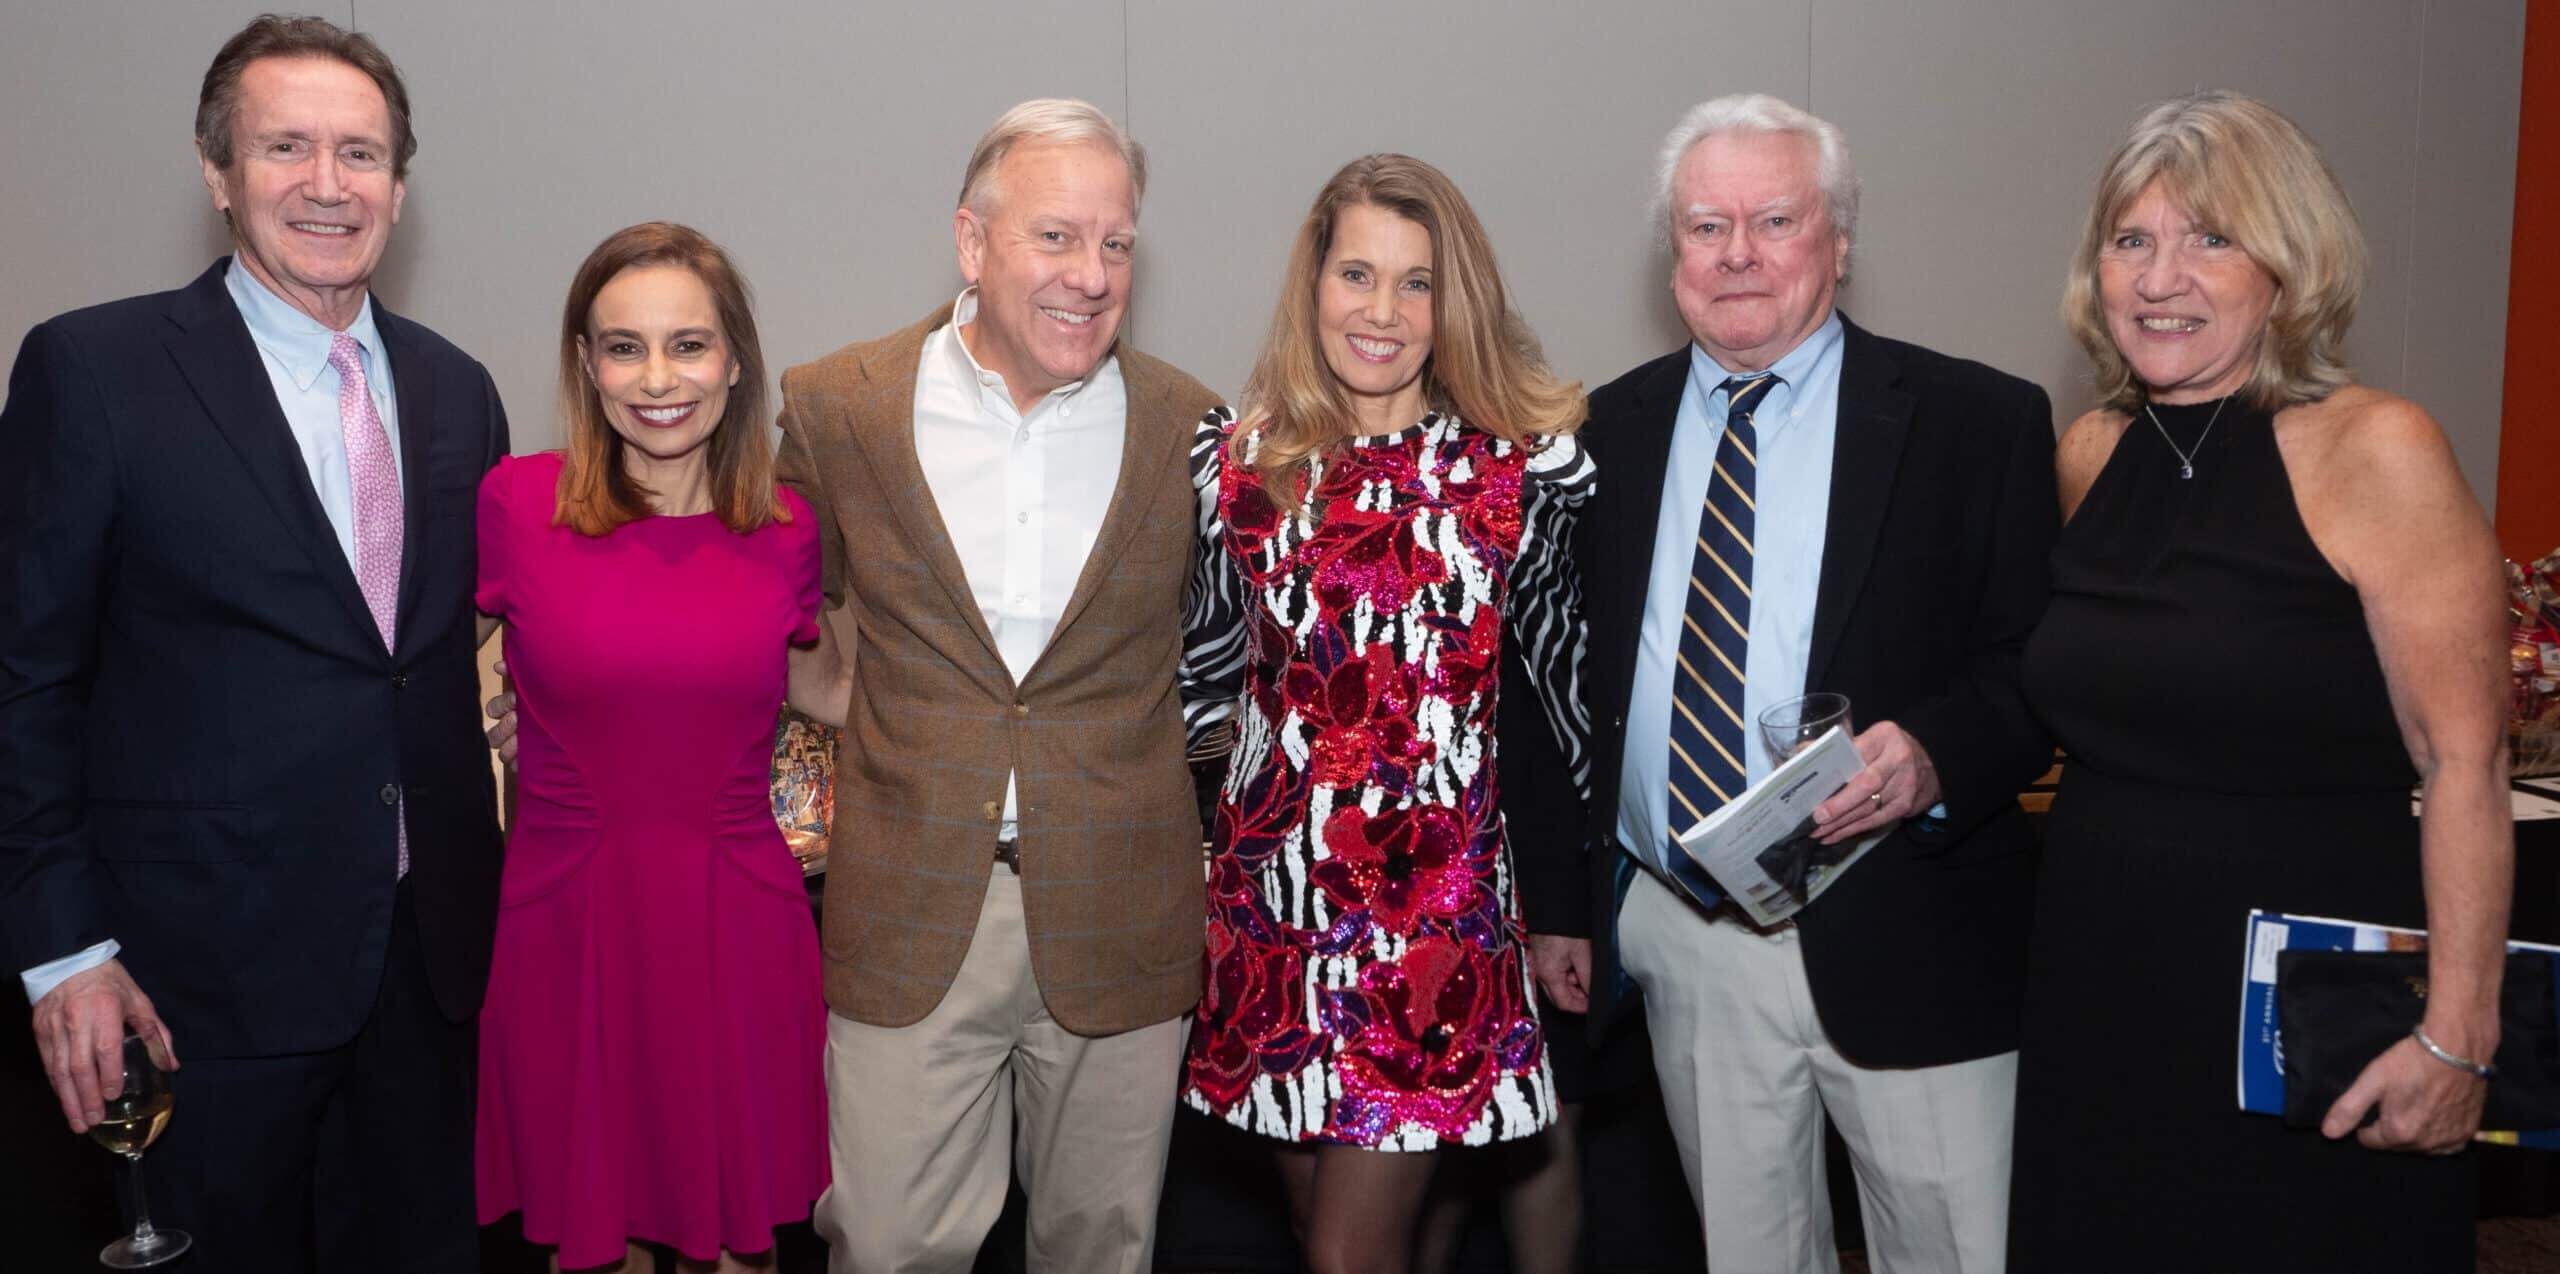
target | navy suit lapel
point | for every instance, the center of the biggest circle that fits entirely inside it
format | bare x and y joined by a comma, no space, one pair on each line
1874,418
221,364
413,384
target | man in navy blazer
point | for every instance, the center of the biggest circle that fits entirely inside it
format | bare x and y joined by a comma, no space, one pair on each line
246,810
1791,504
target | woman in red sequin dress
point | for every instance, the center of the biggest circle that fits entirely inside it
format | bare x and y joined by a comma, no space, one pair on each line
1388,523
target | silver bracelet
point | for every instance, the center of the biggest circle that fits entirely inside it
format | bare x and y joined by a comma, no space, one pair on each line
2436,1051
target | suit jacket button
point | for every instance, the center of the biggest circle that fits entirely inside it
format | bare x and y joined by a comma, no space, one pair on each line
399,680
390,793
995,811
1022,709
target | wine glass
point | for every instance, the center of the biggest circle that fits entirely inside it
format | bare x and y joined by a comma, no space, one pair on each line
135,1116
1791,726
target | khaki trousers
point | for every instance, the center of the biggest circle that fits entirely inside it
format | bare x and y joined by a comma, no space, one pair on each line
919,1120
1747,1074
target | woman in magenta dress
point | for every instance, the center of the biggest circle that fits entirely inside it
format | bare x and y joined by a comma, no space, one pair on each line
650,1053
1389,514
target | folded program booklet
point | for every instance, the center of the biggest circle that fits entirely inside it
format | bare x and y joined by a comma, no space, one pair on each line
1759,846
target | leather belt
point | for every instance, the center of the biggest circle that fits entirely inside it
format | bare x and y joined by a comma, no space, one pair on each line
1725,911
1009,853
1732,912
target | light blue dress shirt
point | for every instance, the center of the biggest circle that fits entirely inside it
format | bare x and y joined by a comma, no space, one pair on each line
1792,492
295,349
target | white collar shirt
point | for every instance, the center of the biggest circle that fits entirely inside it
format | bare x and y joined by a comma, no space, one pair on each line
1022,496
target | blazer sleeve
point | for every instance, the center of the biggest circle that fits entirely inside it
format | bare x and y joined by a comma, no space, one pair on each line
493,506
58,547
805,410
796,466
501,441
493,519
1979,732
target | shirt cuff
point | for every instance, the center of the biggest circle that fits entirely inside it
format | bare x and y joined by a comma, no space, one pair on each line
43,978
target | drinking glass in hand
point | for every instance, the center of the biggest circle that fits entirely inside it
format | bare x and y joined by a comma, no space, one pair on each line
135,1116
1793,725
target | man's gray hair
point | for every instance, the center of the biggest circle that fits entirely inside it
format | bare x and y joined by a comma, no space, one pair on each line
1761,113
1053,120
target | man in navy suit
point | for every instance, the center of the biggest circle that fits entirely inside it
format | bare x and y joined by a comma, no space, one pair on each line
1790,504
245,806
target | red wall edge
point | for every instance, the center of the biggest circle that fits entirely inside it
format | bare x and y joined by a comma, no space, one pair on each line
2528,441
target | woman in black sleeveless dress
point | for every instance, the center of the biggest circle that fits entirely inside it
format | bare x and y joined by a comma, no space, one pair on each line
2275,608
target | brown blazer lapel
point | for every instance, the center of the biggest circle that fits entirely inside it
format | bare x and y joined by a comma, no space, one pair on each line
1144,441
885,413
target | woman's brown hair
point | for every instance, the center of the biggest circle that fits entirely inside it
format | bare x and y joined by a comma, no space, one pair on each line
596,493
1485,364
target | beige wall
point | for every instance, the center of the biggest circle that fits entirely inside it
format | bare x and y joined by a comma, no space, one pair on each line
822,142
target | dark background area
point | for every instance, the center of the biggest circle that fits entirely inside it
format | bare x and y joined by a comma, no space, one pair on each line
1222,1208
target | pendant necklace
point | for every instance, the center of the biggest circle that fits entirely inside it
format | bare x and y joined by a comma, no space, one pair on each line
2186,457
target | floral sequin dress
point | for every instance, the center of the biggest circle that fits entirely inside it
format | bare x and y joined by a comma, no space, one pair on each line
1367,977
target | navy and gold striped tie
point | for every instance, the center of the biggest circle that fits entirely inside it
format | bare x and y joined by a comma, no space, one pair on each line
1708,733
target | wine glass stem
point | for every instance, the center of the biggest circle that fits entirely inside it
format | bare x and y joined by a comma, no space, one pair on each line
143,1234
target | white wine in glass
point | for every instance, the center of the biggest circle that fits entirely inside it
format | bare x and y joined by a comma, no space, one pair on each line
133,1122
135,1116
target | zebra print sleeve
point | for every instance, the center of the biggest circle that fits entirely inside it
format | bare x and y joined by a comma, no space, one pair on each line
1546,596
1213,643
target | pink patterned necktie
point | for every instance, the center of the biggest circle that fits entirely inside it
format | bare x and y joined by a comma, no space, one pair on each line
376,485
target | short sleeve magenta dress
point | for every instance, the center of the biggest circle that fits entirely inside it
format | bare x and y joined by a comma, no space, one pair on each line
651,1054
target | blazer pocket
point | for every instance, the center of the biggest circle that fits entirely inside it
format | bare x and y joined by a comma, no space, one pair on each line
137,831
842,930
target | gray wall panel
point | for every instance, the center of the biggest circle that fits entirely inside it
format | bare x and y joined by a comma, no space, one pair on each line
1546,116
823,143
1980,127
2461,203
101,196
823,146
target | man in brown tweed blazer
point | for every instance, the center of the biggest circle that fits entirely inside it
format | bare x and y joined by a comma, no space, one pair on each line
1013,908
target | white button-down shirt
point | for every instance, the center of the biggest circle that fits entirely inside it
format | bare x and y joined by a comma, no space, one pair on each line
1022,496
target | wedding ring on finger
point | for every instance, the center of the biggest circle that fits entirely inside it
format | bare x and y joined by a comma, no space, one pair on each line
1875,798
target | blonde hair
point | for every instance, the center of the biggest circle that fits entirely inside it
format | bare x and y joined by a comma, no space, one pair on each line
1058,121
596,493
1485,364
2238,165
